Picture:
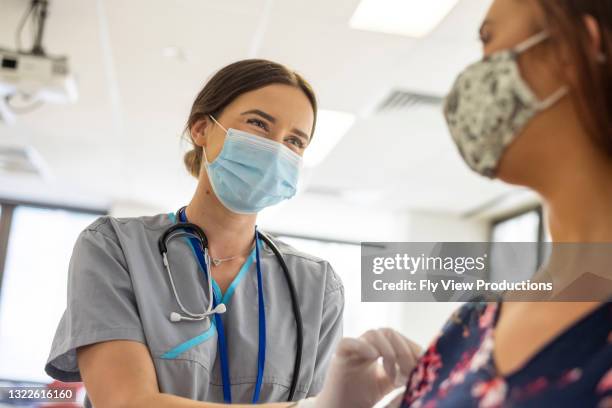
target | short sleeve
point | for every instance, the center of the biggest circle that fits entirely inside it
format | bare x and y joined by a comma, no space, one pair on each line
101,304
331,329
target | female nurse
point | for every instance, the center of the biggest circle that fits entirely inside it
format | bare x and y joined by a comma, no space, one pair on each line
215,322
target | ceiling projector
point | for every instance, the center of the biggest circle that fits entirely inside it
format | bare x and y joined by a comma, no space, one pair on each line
31,79
28,79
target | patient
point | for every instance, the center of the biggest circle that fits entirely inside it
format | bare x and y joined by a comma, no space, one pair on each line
528,354
538,116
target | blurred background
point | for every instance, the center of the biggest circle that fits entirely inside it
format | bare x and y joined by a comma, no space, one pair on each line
105,138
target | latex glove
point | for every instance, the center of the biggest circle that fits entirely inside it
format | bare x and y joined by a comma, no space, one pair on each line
357,379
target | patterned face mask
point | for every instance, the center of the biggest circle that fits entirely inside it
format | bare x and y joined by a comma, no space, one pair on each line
490,104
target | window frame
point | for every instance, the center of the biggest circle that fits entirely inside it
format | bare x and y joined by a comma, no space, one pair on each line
7,212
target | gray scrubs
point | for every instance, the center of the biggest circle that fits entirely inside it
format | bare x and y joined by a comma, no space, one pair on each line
118,289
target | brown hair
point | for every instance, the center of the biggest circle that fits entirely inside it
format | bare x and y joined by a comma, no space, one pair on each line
229,83
565,20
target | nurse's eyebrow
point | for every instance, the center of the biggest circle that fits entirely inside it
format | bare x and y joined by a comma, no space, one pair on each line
261,113
272,119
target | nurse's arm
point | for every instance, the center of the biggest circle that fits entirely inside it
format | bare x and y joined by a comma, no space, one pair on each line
121,374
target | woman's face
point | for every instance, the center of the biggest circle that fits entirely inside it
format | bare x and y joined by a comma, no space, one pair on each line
508,23
278,112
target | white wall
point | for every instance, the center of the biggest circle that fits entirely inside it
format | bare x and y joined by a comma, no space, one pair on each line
422,321
431,227
328,217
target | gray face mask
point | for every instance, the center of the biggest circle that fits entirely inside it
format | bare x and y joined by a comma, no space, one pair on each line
490,104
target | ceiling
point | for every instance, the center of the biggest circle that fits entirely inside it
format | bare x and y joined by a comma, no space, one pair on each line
121,140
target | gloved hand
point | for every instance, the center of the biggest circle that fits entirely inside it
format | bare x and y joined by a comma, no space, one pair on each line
356,378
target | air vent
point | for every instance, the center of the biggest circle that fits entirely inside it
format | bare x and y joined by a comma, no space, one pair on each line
19,160
399,100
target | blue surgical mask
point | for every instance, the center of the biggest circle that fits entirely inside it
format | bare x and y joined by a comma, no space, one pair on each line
252,172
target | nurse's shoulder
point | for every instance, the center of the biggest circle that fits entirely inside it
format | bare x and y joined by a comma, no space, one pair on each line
101,300
306,268
126,230
108,223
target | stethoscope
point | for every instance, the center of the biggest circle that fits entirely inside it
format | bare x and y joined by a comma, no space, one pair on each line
199,242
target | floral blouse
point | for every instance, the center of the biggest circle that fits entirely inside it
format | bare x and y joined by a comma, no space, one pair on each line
573,370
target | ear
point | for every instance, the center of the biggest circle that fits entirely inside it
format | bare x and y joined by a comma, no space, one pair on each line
199,132
594,31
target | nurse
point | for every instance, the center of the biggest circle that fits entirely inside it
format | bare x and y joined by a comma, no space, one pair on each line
131,329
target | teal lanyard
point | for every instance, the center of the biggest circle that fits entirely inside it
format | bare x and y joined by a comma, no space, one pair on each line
221,340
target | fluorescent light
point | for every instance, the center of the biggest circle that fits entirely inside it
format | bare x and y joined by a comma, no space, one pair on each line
175,52
331,127
414,18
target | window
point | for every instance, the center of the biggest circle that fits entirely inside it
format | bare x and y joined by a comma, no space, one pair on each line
345,258
33,286
520,261
524,227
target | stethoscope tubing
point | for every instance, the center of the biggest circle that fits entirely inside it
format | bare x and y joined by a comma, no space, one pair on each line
183,308
182,228
297,313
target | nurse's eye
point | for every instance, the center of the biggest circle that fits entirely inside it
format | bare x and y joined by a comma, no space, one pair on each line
295,141
258,123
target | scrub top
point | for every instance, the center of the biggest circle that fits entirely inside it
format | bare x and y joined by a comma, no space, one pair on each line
118,289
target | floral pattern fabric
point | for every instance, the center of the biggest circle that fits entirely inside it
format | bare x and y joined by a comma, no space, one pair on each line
458,369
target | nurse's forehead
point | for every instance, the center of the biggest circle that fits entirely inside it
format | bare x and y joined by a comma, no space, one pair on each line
281,99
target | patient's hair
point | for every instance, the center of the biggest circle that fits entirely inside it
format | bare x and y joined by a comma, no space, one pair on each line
229,83
565,20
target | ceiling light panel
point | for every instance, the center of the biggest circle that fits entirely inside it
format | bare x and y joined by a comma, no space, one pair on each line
412,18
